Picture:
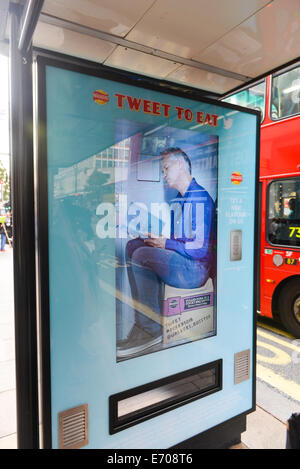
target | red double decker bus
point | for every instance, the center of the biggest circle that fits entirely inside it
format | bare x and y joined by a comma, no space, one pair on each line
278,99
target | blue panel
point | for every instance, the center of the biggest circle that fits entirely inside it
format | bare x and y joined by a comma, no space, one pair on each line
101,154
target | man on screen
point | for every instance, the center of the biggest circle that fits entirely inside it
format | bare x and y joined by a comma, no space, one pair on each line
184,260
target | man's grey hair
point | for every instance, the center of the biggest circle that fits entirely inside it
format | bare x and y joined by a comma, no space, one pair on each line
174,153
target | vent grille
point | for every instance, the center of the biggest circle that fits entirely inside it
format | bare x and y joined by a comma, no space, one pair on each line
73,427
241,366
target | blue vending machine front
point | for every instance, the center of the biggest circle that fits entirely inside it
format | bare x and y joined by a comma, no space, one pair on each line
147,243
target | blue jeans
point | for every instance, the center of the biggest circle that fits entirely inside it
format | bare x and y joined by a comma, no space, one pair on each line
3,241
149,268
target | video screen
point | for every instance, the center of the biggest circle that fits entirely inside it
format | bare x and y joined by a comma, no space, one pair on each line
166,237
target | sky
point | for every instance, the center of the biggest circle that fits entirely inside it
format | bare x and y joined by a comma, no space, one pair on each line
4,132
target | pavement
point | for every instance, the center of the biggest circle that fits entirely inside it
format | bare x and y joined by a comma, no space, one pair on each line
265,429
7,353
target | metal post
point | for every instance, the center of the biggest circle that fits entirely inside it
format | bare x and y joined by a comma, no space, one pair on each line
24,240
30,16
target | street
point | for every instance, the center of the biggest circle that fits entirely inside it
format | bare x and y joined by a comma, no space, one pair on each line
278,370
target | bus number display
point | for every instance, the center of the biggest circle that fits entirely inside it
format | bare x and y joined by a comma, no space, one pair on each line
290,261
294,231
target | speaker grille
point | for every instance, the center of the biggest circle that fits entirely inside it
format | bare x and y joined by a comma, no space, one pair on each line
73,427
241,366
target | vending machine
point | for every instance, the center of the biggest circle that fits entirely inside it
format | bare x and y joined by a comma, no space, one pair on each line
146,223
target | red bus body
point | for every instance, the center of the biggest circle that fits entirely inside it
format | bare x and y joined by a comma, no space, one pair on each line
279,158
279,280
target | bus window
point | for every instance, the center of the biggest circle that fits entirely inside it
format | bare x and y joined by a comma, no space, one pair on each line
286,94
253,98
283,223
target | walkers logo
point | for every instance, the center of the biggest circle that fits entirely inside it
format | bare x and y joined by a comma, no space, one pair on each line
173,303
100,97
236,178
